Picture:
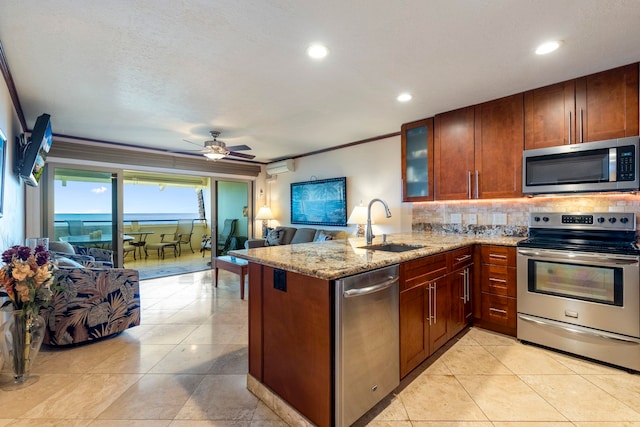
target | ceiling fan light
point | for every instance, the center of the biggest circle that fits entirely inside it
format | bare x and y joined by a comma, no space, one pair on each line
214,156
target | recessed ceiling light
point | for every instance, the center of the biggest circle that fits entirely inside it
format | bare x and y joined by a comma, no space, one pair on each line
317,51
547,47
404,97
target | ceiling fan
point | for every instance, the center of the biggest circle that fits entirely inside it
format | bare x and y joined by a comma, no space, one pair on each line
215,149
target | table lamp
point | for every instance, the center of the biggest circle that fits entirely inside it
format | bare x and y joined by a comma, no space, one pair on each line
358,216
264,214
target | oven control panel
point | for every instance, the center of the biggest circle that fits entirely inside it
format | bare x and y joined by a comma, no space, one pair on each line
621,221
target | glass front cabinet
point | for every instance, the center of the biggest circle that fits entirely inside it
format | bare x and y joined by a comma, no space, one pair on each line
417,161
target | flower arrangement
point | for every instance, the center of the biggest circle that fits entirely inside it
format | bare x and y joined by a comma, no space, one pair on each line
26,278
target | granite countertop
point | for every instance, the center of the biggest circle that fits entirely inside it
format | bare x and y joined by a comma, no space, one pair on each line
334,259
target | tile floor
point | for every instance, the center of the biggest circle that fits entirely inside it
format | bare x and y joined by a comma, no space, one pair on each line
186,365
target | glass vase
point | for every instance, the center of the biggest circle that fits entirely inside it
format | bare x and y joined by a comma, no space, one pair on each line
20,340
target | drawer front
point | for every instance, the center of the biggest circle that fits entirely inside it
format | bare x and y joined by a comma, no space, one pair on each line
499,279
417,272
500,255
498,309
461,257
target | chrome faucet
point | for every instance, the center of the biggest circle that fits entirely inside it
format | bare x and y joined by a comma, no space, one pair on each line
369,233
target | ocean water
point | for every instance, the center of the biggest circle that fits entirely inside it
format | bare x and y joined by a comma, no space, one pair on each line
126,218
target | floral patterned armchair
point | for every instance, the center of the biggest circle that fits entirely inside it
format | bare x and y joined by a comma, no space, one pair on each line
91,303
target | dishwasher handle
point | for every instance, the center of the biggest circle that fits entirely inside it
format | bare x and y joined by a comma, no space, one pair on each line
371,289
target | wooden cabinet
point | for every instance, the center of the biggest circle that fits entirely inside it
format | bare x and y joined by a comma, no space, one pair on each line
455,155
591,108
424,309
290,335
607,104
497,308
479,150
417,161
499,130
461,281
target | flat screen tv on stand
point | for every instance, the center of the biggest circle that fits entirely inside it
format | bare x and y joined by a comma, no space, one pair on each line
33,152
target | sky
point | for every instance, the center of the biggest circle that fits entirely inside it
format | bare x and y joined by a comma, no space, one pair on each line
95,197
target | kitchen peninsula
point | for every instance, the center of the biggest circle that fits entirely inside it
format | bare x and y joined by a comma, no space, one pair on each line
292,307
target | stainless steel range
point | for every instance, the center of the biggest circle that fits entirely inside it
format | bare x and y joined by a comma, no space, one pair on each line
578,285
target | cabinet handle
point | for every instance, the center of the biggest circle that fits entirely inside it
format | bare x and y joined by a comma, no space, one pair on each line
435,303
463,258
497,310
477,192
493,279
581,130
469,184
429,304
468,284
569,127
497,256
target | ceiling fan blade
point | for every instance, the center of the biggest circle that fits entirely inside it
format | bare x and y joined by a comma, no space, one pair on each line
243,155
238,148
186,140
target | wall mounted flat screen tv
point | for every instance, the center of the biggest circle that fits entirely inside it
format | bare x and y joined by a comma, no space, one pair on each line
319,202
34,152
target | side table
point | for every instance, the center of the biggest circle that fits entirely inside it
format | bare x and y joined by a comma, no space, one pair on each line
234,265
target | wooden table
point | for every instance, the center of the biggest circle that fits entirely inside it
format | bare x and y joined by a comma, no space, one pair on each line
234,265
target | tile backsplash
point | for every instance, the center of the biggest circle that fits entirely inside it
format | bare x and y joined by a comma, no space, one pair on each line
510,214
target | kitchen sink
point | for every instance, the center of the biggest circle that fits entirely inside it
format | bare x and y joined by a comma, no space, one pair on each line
391,247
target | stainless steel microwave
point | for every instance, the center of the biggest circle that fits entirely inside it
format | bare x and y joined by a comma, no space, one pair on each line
610,165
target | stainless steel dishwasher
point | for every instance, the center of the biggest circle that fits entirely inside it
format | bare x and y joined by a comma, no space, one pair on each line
367,355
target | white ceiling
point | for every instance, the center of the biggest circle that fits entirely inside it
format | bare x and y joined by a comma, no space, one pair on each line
154,72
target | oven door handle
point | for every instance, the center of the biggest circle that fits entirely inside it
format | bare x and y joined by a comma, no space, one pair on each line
599,259
603,335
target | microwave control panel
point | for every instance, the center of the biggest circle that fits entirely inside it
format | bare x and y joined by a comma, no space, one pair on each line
626,163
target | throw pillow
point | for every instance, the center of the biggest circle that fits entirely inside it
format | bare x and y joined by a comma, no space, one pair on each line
274,237
321,237
67,262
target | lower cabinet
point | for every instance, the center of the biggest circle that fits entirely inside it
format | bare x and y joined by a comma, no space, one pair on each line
497,303
435,303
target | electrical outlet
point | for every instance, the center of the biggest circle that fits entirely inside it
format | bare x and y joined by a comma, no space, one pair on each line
456,218
472,219
499,219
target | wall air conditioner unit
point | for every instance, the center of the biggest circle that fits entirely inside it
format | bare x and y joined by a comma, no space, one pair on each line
282,166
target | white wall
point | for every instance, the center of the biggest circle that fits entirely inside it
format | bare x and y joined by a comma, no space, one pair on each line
12,225
373,170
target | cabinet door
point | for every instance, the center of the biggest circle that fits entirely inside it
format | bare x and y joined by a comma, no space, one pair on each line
440,300
454,145
414,335
549,116
607,104
499,127
417,161
461,282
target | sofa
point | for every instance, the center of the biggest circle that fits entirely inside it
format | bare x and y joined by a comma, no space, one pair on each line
91,300
291,235
67,255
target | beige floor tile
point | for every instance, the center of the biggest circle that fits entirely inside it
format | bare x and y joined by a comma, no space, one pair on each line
625,388
216,333
48,423
79,359
233,359
473,360
485,337
153,397
16,401
612,424
533,424
523,359
134,358
209,423
439,397
165,334
263,413
130,423
390,423
83,399
579,400
452,424
507,398
583,366
188,359
220,397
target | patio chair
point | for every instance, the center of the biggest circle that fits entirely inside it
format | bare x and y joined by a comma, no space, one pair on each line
183,234
224,238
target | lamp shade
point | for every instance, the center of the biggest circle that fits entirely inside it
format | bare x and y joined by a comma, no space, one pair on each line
358,215
264,213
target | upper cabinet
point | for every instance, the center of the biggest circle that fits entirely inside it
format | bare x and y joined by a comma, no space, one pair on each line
607,104
417,161
479,150
454,152
591,108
